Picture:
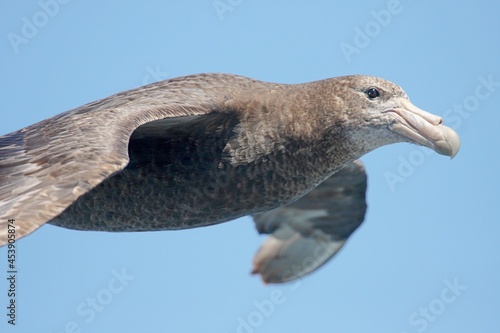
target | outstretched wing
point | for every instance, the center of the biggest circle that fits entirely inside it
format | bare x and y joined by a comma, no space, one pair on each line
46,166
308,232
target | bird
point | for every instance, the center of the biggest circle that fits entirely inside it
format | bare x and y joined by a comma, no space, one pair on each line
208,148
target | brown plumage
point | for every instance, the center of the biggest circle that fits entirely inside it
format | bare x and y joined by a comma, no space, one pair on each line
208,148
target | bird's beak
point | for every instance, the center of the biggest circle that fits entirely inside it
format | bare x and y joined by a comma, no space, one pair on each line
424,128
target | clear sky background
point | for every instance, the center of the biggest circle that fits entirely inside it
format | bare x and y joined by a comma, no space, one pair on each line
426,259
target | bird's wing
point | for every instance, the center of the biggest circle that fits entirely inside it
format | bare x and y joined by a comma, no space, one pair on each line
46,166
308,232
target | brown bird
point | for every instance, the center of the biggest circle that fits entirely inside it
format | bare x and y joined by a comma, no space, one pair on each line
208,148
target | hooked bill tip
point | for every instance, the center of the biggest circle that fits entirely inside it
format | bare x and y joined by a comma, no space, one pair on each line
450,145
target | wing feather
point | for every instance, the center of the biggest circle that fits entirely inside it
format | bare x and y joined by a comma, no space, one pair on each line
308,232
46,166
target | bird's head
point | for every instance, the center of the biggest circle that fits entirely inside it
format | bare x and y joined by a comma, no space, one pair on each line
382,113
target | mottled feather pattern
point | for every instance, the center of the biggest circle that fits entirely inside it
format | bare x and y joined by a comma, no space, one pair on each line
208,148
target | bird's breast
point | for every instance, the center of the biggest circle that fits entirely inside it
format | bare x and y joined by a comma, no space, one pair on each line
184,181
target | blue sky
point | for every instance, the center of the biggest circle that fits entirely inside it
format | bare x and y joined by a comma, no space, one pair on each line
426,258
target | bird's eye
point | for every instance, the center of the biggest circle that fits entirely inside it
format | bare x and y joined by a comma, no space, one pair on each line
372,93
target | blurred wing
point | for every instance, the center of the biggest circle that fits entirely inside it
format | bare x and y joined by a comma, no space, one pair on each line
45,167
308,232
